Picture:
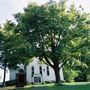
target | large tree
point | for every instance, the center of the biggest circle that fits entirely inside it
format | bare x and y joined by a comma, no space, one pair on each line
14,48
54,33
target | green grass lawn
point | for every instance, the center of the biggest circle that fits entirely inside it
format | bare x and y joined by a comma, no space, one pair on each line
65,86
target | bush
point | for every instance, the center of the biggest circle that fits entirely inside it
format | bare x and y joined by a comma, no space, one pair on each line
10,83
82,77
69,75
88,77
47,82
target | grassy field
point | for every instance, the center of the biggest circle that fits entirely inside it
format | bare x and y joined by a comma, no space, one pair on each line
65,86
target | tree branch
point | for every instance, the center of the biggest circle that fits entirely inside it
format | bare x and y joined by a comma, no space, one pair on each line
47,60
63,64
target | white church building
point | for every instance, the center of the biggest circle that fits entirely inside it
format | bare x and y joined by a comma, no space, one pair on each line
35,72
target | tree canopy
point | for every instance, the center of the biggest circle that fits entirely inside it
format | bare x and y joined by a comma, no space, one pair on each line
55,35
14,45
14,48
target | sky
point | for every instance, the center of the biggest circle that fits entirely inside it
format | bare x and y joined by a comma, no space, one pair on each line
10,7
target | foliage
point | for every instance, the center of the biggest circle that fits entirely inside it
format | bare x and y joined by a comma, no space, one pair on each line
69,73
75,71
14,47
55,35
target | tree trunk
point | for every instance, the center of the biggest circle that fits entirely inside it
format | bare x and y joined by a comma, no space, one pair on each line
4,76
57,75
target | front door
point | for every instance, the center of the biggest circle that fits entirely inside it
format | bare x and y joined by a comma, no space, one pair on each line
21,78
37,79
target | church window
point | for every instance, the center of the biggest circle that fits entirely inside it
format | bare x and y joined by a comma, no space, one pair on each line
48,73
32,70
40,69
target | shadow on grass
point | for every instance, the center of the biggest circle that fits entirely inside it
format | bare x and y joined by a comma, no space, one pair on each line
79,86
71,87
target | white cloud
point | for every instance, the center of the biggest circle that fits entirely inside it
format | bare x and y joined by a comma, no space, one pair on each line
9,7
84,3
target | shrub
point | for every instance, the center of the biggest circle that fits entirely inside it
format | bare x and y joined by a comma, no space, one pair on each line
69,75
